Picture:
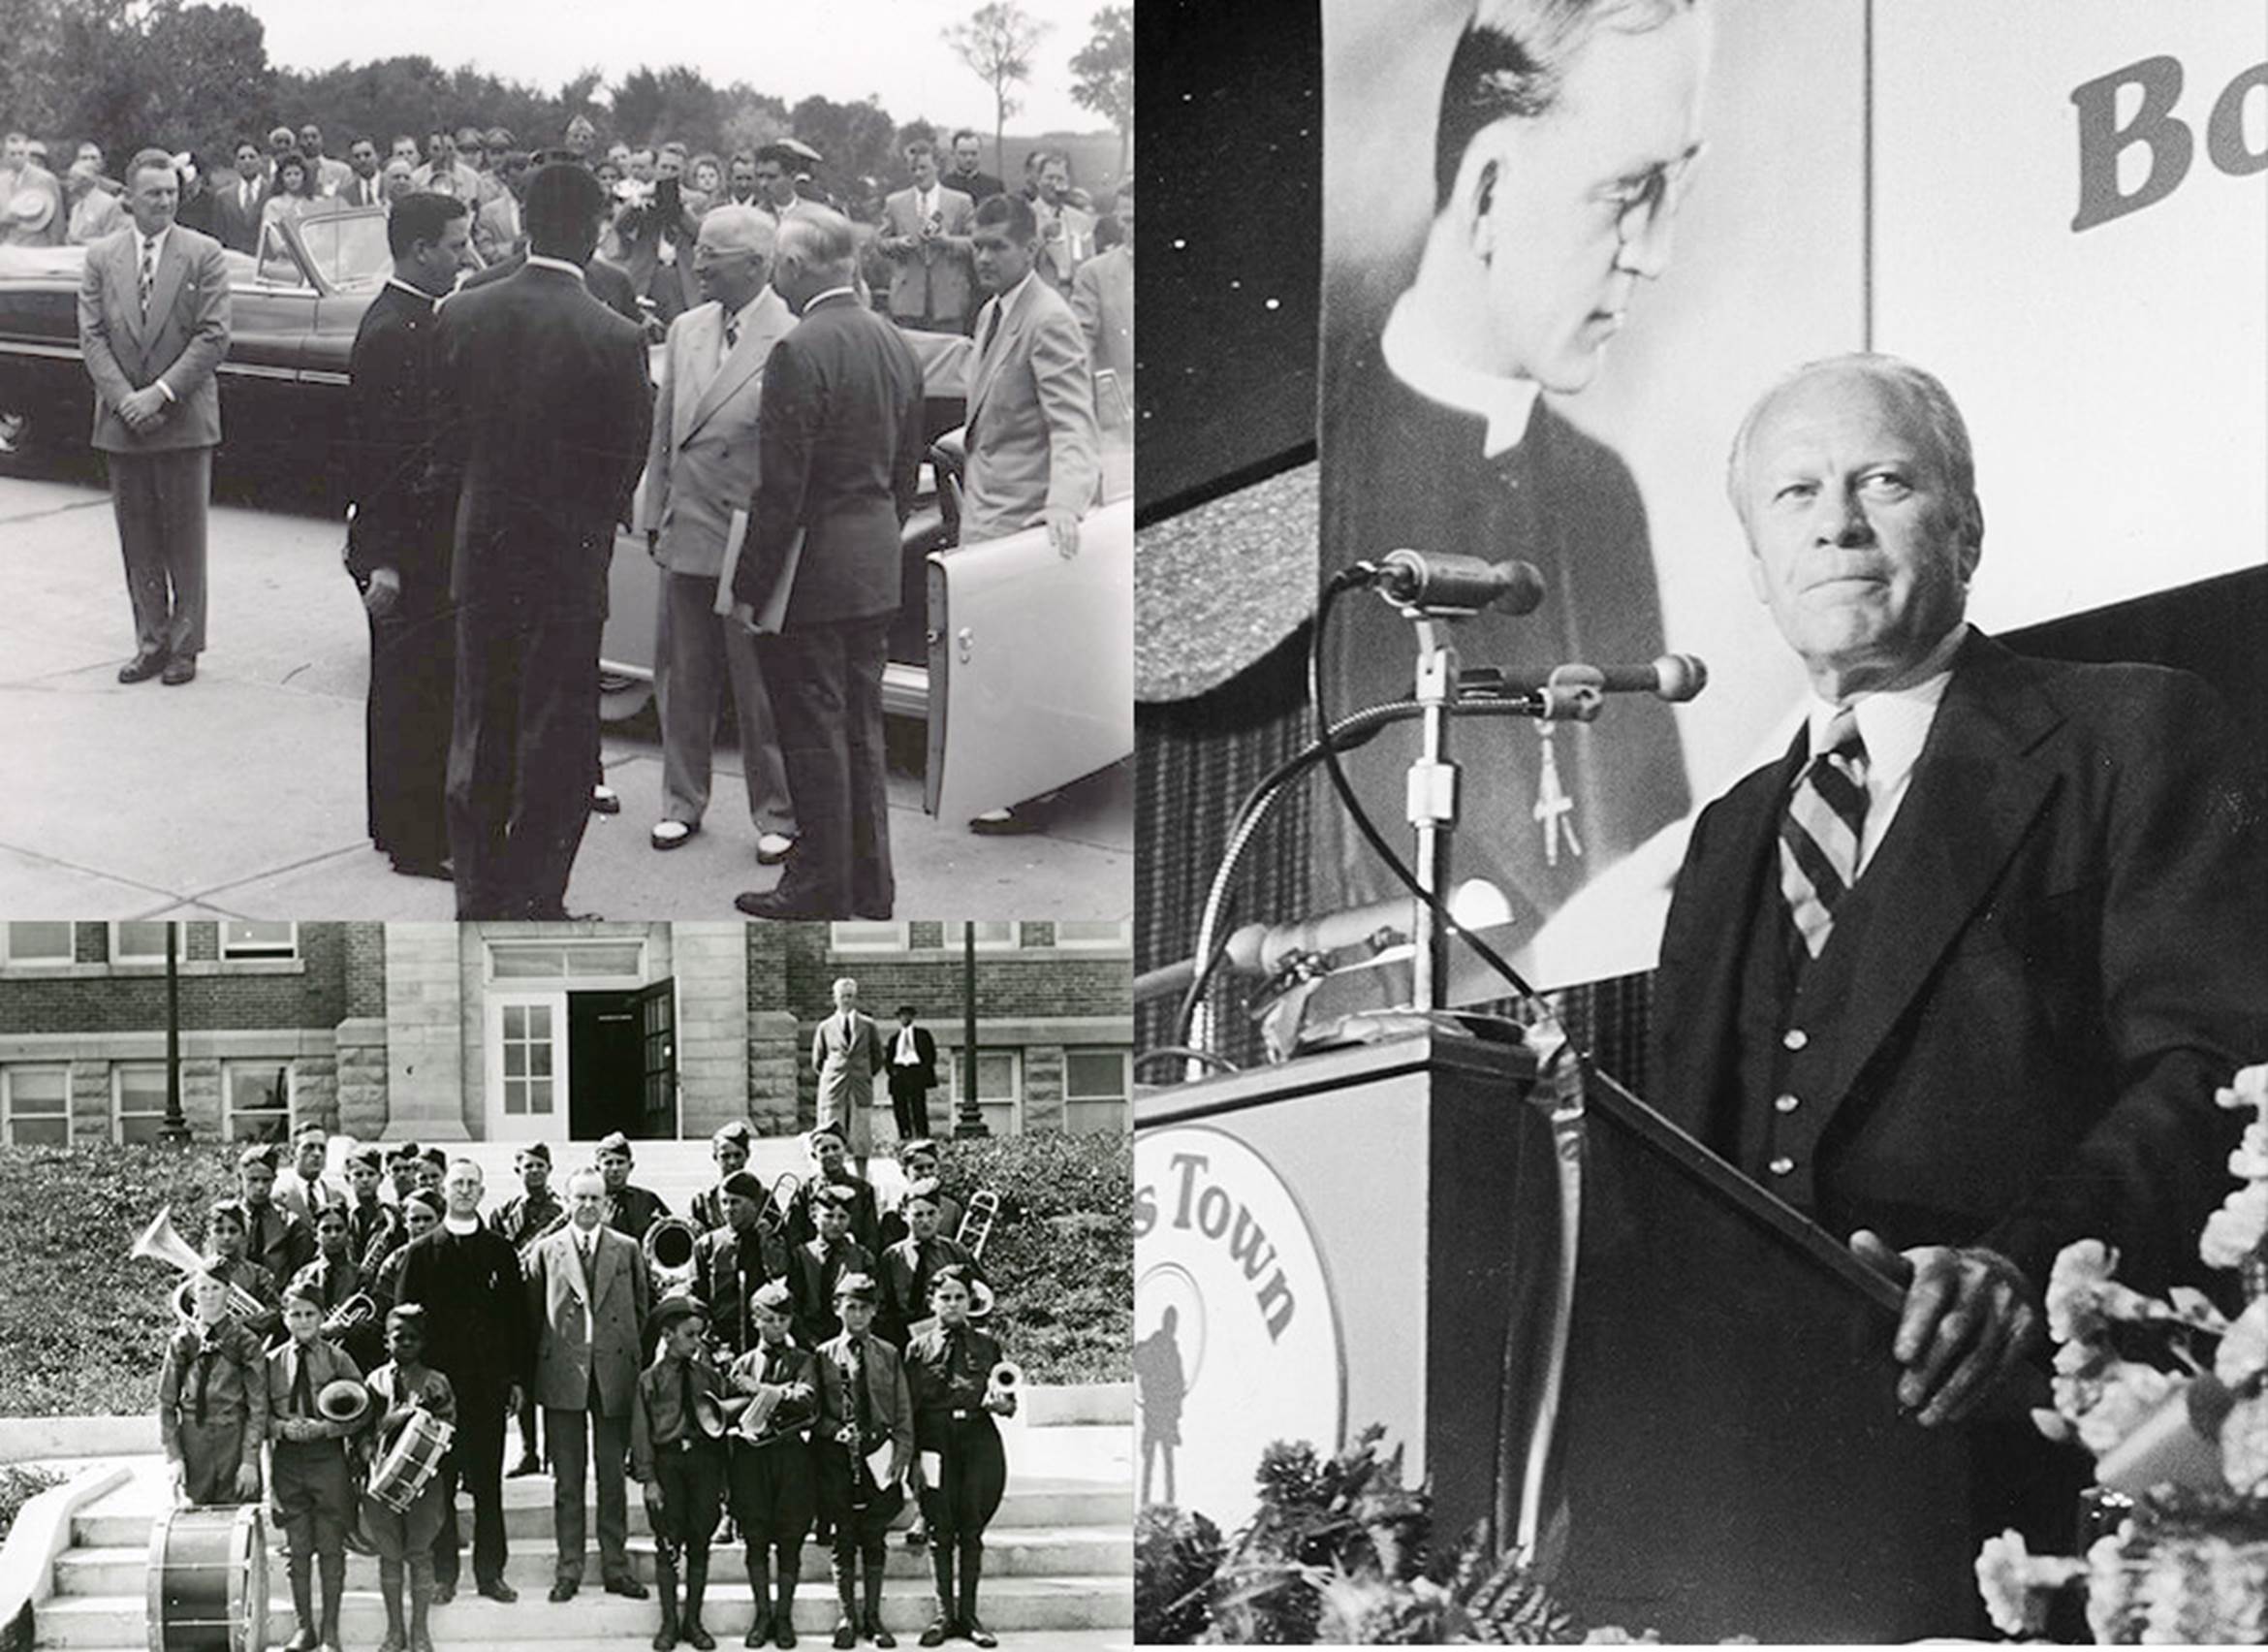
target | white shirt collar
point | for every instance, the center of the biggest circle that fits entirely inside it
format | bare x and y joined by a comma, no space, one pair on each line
460,1226
818,299
746,313
1895,722
1417,355
157,240
536,261
418,293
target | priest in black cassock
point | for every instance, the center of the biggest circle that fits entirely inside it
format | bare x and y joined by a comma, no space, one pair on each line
467,1279
397,540
1437,435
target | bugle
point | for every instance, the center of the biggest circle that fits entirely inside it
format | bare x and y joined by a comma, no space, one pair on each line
160,1243
1004,1381
350,1315
343,1401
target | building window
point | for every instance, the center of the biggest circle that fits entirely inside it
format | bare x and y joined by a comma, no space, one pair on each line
259,940
1096,1086
999,1086
581,958
35,943
256,1101
868,938
138,1092
1090,935
138,943
989,936
36,1102
529,1042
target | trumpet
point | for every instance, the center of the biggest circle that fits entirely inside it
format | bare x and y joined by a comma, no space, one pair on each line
976,1222
160,1243
777,1201
350,1316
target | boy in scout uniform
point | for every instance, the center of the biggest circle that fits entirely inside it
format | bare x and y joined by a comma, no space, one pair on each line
963,1470
307,1485
212,1402
636,1209
678,1464
373,1227
816,1268
908,1267
404,1541
728,1147
865,1407
224,1237
771,1472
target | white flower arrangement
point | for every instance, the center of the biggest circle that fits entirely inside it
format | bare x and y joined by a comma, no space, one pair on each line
2188,1444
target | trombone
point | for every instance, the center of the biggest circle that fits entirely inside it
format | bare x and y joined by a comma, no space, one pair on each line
160,1243
976,1222
783,1194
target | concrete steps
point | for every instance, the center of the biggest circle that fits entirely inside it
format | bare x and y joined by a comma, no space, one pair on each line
1008,1604
1008,1553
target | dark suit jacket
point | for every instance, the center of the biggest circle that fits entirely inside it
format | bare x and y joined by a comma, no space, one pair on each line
401,520
551,418
476,1328
1407,471
838,449
2055,958
236,211
922,1076
608,283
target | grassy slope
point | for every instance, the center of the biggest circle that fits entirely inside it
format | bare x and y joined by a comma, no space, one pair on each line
82,1329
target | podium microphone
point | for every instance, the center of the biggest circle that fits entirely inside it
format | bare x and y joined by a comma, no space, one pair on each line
1675,678
1455,584
1262,949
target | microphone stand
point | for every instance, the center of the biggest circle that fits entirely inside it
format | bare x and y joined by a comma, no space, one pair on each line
1433,806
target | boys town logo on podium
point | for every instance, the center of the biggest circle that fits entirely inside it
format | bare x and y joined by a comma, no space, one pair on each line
1236,1334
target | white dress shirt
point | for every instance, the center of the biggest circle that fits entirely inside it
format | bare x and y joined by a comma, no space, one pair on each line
1895,725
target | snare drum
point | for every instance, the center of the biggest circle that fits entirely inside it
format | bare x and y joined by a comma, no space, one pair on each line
208,1579
410,1466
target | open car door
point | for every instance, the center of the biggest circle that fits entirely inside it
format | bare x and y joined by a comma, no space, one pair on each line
1032,664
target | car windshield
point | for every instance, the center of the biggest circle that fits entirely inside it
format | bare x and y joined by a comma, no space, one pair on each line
348,249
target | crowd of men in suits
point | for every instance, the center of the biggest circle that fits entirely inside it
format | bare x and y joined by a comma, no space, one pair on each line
566,1307
498,440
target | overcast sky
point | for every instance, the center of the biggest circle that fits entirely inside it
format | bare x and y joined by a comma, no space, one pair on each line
843,49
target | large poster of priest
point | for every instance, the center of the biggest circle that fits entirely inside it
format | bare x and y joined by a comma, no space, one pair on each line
1566,244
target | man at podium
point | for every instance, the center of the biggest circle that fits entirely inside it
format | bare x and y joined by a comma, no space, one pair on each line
1996,924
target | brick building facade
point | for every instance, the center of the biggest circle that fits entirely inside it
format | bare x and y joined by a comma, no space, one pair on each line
479,1032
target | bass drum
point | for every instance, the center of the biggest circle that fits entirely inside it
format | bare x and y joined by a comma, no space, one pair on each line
208,1579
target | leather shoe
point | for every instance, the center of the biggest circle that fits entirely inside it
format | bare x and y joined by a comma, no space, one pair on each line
444,1593
977,1631
441,872
846,1634
141,667
180,669
939,1628
673,834
881,1637
772,847
529,1464
782,904
496,1589
302,1641
760,1632
563,1591
629,1588
603,800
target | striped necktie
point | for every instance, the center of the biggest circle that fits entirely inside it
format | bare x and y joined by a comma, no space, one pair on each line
1819,835
149,272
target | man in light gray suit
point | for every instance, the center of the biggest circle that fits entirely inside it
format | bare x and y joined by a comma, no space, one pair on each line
1033,456
588,1293
925,236
153,325
848,1051
699,467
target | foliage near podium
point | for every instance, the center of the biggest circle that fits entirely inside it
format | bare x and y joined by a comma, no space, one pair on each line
85,1326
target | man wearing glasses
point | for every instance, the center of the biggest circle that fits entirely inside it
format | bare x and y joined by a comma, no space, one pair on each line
1564,140
700,467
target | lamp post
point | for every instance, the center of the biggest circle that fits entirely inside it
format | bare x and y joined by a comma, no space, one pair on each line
175,1131
968,1119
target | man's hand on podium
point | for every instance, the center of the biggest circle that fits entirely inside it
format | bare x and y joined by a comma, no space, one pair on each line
1970,1320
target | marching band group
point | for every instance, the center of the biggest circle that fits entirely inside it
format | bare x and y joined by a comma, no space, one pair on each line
792,1357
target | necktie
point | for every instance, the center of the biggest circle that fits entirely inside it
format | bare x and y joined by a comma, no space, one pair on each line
149,272
685,1399
992,327
732,334
1819,835
303,1399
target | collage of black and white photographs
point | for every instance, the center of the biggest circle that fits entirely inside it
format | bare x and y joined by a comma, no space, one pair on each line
1516,990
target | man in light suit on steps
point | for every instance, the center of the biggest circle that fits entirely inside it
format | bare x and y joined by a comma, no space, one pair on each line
588,1293
699,467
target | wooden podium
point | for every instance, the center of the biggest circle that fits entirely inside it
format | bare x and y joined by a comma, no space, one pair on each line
1729,1459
